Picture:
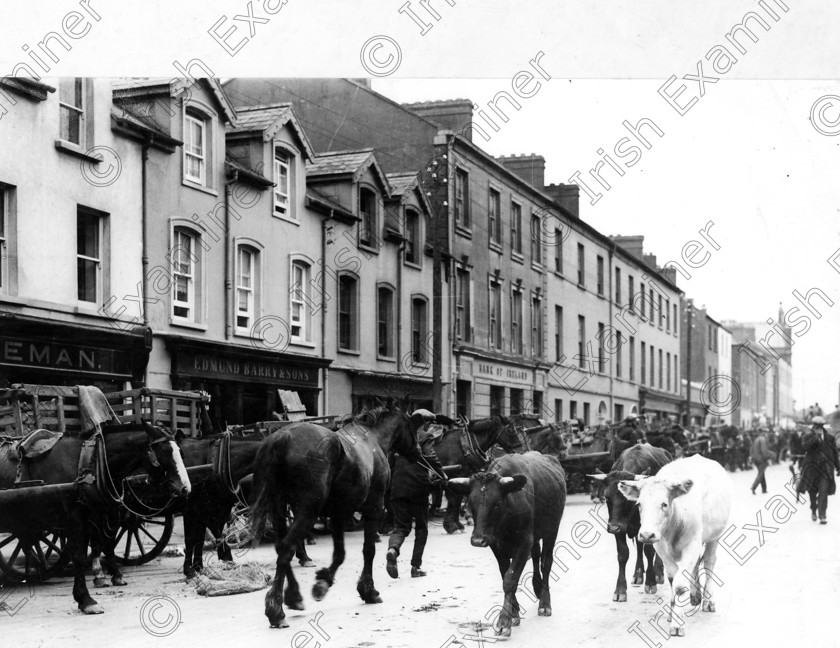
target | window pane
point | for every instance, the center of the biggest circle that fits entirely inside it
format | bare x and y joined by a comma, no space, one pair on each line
86,280
87,235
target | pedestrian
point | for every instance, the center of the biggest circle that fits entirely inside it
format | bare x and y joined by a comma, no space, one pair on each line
818,467
761,455
411,484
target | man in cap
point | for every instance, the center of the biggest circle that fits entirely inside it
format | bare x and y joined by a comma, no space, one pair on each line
761,455
818,467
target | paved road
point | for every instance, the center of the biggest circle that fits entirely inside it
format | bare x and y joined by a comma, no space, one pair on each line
785,593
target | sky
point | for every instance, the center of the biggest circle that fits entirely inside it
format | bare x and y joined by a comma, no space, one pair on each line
747,155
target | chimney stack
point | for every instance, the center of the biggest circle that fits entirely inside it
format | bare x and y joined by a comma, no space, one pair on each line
568,196
531,168
452,114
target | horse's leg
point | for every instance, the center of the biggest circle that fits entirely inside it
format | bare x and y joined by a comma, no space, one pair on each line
453,511
365,586
109,544
78,545
325,576
95,540
283,547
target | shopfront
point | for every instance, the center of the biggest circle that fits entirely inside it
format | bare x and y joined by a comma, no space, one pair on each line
48,352
370,388
660,406
490,387
243,382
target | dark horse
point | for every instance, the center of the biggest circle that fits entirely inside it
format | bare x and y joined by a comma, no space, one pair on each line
96,468
315,470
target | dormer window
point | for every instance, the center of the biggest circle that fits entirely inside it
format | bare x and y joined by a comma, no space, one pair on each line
282,163
71,109
367,212
195,148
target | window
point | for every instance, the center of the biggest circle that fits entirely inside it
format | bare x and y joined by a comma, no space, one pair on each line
558,251
298,299
536,239
516,321
642,304
601,355
462,198
668,371
88,259
463,387
652,304
495,329
245,287
618,286
184,280
600,265
419,328
536,326
385,322
71,109
709,335
618,414
515,402
537,405
516,227
644,365
5,227
497,400
675,318
494,217
462,305
586,414
676,373
558,333
631,366
661,316
367,212
660,368
558,410
581,276
581,340
413,245
630,293
652,363
618,354
282,166
195,148
668,315
347,312
572,409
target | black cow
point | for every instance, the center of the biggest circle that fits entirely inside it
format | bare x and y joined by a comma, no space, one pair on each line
624,522
516,504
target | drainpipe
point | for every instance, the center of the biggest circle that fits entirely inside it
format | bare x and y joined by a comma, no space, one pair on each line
143,218
326,373
228,283
611,413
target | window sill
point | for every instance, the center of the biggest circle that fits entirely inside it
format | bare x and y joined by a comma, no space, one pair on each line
246,333
411,264
175,321
496,247
75,150
581,286
199,187
87,308
463,231
516,256
349,352
559,274
368,248
385,358
284,217
537,267
419,365
302,343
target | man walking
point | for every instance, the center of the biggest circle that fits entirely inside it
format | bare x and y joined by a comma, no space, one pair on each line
761,455
818,467
411,484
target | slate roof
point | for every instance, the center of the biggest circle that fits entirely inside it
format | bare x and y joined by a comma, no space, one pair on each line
259,118
338,162
401,182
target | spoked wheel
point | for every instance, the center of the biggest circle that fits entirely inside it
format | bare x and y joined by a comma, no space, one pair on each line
140,540
32,557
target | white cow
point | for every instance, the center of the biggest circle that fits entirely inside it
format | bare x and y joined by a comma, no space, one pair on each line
684,510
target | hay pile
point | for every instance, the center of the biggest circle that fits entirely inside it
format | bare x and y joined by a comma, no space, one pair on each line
224,579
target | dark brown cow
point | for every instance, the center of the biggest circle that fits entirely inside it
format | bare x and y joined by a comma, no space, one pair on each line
637,460
517,504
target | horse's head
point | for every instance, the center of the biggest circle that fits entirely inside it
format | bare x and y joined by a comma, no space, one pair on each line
164,459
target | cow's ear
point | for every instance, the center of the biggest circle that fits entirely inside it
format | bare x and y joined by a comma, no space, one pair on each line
646,472
459,485
680,488
630,489
512,484
179,435
599,476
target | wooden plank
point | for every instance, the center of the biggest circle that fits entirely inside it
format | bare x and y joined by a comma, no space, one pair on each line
193,419
62,425
153,407
18,422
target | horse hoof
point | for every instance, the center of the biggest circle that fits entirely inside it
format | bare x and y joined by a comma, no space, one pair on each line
544,611
708,606
515,621
294,602
676,631
660,580
117,581
101,582
695,599
279,624
374,598
650,589
503,632
620,597
320,589
94,608
637,580
306,563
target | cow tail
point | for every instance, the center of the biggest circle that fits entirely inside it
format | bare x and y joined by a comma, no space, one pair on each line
267,468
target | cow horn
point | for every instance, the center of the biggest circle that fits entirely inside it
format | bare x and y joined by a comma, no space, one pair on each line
426,414
504,481
639,477
599,477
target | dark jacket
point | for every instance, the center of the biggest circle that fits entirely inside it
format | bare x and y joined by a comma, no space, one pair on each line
760,452
820,461
410,479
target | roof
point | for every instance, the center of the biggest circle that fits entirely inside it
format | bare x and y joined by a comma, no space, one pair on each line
129,121
247,174
403,183
318,200
139,85
346,163
268,120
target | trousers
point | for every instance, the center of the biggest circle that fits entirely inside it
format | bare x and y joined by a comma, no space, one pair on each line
406,511
759,478
819,498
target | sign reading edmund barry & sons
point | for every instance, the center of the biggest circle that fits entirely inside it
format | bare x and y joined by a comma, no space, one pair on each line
248,369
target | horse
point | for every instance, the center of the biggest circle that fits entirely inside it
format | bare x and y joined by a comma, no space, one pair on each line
316,470
96,466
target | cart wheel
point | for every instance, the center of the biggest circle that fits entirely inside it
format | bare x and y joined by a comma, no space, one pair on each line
140,540
32,557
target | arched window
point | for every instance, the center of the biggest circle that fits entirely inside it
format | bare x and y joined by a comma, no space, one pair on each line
282,183
247,284
195,147
299,300
348,301
385,321
185,274
419,330
413,241
368,214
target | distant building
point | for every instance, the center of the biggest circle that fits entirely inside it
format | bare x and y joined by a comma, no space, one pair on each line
706,363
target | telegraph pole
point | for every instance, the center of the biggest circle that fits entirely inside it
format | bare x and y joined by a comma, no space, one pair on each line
689,311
